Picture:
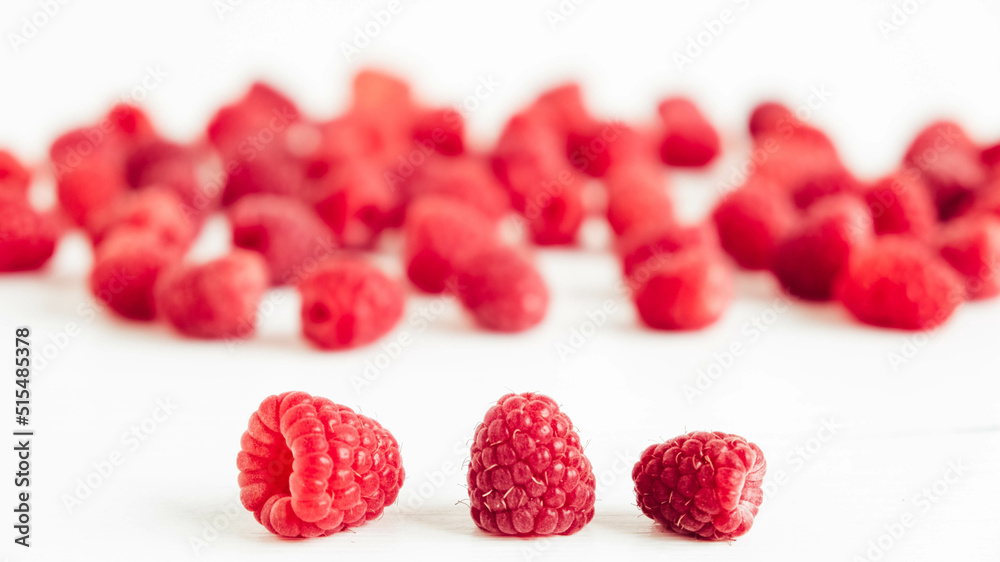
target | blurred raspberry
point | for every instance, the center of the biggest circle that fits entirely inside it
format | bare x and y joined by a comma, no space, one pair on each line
688,290
638,198
15,178
502,290
971,245
689,140
901,204
27,237
950,164
127,264
440,236
751,221
156,210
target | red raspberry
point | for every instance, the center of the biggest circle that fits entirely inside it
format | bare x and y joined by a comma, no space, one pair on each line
274,171
900,204
355,202
127,265
441,235
686,291
93,185
259,119
442,129
503,290
171,166
465,179
214,300
285,231
809,259
689,140
154,209
752,220
310,467
563,110
702,484
987,200
897,282
638,198
549,197
27,238
794,153
349,303
14,177
950,163
972,246
824,183
611,145
769,117
528,475
657,242
130,124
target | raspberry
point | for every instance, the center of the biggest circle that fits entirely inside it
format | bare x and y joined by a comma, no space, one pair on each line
261,115
349,303
129,124
563,110
273,171
127,265
528,475
610,145
658,241
824,183
809,259
465,179
214,300
701,484
440,235
91,186
27,238
285,231
310,467
793,153
752,220
950,164
689,140
14,177
637,198
154,209
686,291
770,117
502,290
171,166
549,197
442,129
972,246
897,282
355,202
900,204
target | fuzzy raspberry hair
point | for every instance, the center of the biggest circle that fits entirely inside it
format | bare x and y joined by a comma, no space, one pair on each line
702,484
310,467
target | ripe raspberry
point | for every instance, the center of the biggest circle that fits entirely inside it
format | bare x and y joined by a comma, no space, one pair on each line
14,177
214,300
550,198
528,475
89,187
563,110
658,242
285,231
686,291
769,117
349,303
793,153
901,204
897,282
503,290
355,201
824,183
27,238
127,264
441,235
171,166
951,166
972,246
157,210
465,179
310,467
261,115
129,124
809,259
274,172
637,199
752,220
442,129
611,145
702,484
689,140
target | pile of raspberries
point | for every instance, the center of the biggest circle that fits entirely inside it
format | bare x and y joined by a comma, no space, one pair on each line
307,198
310,468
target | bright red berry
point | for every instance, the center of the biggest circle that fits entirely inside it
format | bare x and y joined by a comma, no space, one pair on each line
216,299
15,178
528,475
971,245
466,179
688,290
897,282
441,234
90,187
689,140
824,183
751,220
127,264
355,202
658,242
638,198
502,290
348,303
155,209
769,117
901,204
285,231
310,467
950,163
27,237
702,484
441,129
808,261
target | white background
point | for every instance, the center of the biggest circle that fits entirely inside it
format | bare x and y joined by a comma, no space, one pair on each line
897,426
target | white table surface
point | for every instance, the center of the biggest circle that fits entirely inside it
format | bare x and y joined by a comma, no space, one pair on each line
855,445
